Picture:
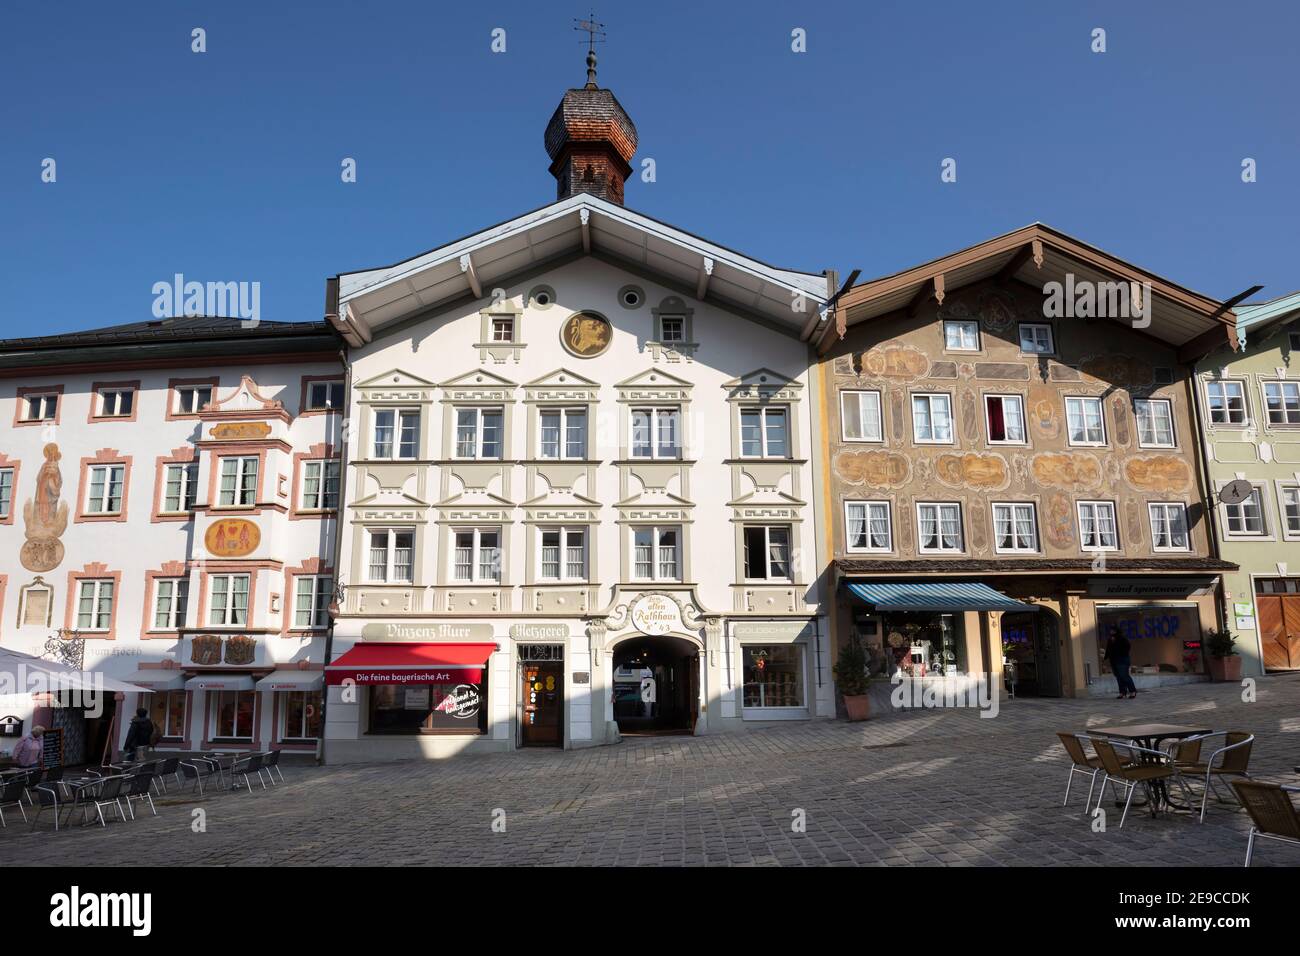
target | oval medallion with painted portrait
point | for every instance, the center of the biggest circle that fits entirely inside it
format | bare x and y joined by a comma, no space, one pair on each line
586,334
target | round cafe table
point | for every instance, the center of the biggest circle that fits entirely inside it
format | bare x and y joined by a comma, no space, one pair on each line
1152,736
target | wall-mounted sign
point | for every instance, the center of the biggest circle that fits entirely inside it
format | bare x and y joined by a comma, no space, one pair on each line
1245,622
586,334
539,632
462,703
240,431
445,631
772,630
232,537
208,650
1243,608
656,614
582,677
417,698
1149,587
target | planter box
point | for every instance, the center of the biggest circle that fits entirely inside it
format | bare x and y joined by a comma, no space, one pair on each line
858,706
1225,669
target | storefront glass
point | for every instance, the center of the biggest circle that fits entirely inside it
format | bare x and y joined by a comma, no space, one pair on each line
1165,638
773,675
428,708
234,714
301,715
167,710
915,643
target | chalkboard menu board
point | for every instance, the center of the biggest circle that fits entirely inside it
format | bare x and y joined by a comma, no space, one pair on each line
52,748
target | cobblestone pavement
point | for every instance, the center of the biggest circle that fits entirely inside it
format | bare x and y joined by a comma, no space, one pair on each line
914,788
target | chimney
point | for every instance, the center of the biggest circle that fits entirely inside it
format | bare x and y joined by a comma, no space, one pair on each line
590,140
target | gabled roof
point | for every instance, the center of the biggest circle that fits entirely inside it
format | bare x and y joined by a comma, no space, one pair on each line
1038,254
1255,318
184,328
363,302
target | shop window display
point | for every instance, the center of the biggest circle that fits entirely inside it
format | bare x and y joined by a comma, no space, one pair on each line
1165,639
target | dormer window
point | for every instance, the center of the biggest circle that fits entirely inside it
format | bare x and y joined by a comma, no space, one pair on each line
503,328
673,329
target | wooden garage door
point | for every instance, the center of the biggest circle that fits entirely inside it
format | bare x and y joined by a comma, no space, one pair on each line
1279,630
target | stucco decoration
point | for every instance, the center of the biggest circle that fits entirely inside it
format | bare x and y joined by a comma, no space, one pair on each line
1162,473
843,365
1020,470
997,310
905,524
1066,470
586,334
900,362
1044,411
979,534
970,416
896,416
878,469
972,470
45,517
1133,523
1119,415
1117,368
1058,521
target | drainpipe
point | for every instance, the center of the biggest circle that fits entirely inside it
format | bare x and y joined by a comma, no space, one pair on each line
1211,511
338,542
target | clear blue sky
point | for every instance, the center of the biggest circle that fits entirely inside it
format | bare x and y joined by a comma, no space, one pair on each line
225,165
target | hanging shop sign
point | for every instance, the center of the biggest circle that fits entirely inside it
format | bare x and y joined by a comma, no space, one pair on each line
1147,588
443,631
232,537
656,614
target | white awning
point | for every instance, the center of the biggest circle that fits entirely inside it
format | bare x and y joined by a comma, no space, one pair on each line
26,674
157,678
292,680
220,682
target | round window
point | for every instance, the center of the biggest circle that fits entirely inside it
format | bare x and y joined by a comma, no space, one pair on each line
541,297
630,297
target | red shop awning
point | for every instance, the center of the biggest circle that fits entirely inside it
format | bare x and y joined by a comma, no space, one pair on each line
378,663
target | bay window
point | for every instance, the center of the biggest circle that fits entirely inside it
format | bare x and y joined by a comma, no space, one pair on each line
229,600
238,481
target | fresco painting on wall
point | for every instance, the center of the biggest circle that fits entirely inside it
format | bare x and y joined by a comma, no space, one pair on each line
46,517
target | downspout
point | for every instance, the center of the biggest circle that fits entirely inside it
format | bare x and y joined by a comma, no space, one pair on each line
1202,439
331,305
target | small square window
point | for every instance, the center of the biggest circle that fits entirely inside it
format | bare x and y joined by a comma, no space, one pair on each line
961,335
41,408
324,396
1227,402
503,328
672,328
1036,338
116,402
190,399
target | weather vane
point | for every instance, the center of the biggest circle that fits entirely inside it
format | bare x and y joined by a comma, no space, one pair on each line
594,30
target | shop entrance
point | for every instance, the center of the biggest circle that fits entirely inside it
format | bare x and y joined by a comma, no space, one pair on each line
1031,643
541,670
1279,623
656,686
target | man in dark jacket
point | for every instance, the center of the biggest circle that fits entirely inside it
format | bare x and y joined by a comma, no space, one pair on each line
139,733
1118,650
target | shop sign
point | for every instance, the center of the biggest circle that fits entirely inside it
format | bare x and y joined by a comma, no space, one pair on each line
1148,587
462,703
413,676
238,650
656,614
427,632
1243,609
539,632
232,537
416,698
240,431
1246,622
771,630
582,677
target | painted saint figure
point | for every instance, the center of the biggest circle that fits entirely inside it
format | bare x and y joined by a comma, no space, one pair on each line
45,517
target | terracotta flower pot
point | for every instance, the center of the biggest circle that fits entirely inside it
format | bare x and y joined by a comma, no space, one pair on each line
858,706
1225,669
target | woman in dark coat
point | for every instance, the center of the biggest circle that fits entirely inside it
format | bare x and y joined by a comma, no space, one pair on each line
1118,650
139,733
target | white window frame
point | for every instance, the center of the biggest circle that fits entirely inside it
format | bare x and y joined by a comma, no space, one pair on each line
767,551
193,391
657,550
110,400
562,441
326,475
1114,523
764,438
390,555
322,590
929,398
284,715
215,724
1037,326
868,507
1284,489
228,612
479,412
1223,384
329,385
962,324
1084,401
1283,386
657,452
1014,507
477,576
1151,403
101,590
178,603
1005,397
100,505
938,517
46,402
1164,507
562,562
189,487
7,477
241,488
401,415
1263,531
862,420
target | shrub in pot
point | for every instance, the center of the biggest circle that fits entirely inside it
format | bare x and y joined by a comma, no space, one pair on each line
851,678
1224,663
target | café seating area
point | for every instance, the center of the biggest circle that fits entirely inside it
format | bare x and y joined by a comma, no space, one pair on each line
115,792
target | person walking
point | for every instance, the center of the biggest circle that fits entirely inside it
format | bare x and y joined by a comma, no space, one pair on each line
29,749
1118,651
140,733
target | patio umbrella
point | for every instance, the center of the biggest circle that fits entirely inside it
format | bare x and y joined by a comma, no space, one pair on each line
17,668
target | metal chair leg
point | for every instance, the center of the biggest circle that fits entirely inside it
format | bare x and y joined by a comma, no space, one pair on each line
1250,845
1124,816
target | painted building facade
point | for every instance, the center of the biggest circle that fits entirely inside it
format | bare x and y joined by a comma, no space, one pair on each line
1006,485
580,486
1250,404
168,492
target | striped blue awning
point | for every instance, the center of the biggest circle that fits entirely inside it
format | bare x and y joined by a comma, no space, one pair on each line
937,596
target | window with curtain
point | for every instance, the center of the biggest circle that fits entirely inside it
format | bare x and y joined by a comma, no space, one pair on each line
95,605
1015,527
1083,421
392,555
868,525
655,433
860,416
1155,420
171,595
181,488
397,433
238,481
564,554
939,527
476,555
1006,419
1168,526
932,418
767,552
479,433
563,433
105,494
311,600
320,485
1097,528
229,602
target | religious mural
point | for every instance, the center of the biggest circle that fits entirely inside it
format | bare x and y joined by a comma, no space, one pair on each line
45,517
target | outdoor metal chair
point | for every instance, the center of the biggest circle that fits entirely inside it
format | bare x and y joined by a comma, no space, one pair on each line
11,795
1081,763
103,793
46,798
199,770
32,779
168,767
213,760
271,763
1273,815
1230,760
138,787
1133,775
243,766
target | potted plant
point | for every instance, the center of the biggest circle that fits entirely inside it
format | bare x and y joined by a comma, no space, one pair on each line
851,678
1225,664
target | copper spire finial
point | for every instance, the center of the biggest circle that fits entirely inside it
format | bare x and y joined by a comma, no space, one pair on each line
593,30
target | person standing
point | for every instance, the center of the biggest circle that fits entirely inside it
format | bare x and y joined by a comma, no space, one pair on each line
30,748
1118,652
140,733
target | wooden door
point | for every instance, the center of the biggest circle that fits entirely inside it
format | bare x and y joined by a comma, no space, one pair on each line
543,704
1279,630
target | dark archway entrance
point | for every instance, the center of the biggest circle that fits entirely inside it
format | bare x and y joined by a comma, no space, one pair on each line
656,686
1032,641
